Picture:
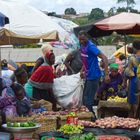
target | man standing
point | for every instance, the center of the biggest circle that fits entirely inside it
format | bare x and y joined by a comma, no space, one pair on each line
90,70
73,62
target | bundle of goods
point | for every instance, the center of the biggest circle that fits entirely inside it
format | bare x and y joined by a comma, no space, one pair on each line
42,103
117,99
109,137
118,122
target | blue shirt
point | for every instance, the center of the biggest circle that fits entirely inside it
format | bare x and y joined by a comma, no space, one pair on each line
89,54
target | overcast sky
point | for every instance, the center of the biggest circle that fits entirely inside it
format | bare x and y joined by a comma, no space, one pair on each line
81,6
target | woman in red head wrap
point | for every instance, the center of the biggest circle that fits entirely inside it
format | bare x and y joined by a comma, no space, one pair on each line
42,80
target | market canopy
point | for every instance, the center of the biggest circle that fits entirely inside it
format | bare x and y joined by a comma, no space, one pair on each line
123,23
28,21
8,37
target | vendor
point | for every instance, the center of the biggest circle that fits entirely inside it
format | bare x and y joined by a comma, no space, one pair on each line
21,76
113,85
44,48
73,62
7,107
23,105
42,80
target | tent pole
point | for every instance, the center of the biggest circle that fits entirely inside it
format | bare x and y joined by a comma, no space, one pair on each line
125,40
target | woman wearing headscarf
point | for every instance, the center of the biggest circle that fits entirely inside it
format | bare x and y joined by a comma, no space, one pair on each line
42,80
112,86
45,48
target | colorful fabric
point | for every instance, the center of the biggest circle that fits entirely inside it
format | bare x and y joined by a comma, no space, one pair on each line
89,55
23,107
42,78
111,88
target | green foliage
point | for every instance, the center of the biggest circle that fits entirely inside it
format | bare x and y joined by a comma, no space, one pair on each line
121,9
70,11
96,14
129,3
28,46
81,20
112,11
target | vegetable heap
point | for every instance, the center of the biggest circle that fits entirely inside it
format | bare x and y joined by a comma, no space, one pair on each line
71,129
21,124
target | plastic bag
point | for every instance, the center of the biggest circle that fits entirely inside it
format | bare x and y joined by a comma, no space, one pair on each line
68,90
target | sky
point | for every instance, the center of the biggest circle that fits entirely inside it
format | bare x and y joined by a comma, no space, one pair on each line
81,6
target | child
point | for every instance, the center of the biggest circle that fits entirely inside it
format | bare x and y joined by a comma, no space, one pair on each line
23,105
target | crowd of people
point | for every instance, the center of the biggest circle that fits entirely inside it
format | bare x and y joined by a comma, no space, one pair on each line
101,80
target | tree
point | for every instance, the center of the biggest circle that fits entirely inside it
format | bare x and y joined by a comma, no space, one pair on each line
128,2
96,14
121,9
51,13
112,11
70,11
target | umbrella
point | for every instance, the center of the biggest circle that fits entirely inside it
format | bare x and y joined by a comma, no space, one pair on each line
3,20
120,51
123,23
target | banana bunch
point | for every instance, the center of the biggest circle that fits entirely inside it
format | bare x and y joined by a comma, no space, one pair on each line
117,99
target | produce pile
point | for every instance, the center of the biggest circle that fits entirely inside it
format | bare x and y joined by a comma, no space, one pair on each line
71,129
112,137
88,136
117,99
86,123
117,122
21,124
112,122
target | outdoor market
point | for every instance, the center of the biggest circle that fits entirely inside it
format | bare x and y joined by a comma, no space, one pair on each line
66,85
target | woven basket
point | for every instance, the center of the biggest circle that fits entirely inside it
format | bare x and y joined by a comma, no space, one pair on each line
87,116
47,124
18,119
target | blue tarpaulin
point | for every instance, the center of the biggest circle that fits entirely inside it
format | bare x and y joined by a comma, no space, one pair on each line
3,20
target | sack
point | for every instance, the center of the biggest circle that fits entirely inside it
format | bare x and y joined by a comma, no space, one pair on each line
68,90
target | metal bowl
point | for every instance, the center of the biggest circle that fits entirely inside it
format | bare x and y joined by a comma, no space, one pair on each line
21,129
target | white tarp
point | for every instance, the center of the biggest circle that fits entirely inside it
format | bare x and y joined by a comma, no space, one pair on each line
26,20
70,40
